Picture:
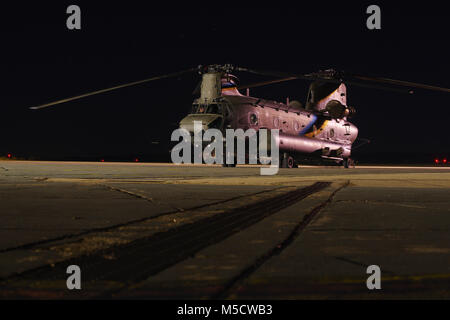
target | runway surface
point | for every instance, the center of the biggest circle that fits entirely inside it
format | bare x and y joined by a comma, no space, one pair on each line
162,231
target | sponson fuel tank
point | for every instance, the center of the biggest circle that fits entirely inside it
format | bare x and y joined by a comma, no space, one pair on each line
303,145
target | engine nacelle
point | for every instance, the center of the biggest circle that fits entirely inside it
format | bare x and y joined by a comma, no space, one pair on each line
351,111
337,110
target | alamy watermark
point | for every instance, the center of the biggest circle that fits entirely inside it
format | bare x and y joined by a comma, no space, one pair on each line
73,21
235,143
74,280
374,20
374,280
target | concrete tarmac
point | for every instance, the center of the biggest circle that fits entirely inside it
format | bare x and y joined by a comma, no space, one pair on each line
162,231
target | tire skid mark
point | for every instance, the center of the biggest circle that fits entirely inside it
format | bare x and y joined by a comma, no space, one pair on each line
234,284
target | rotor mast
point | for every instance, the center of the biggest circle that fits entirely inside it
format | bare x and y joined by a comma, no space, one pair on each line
211,85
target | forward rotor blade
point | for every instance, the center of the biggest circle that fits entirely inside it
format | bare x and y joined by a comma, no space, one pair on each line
170,75
197,88
401,83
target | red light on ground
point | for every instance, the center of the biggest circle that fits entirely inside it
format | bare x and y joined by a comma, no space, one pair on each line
103,160
9,155
444,160
436,160
136,160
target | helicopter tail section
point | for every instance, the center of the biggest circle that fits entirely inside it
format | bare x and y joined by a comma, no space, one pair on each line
320,93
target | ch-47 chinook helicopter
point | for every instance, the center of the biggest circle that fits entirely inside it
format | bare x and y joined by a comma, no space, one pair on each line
319,129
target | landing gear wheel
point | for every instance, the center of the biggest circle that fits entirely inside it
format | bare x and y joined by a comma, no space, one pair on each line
290,162
346,162
351,162
287,161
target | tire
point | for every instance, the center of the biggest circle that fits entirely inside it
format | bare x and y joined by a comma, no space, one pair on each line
351,162
345,163
290,162
287,162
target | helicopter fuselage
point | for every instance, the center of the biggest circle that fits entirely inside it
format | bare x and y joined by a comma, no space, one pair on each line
301,132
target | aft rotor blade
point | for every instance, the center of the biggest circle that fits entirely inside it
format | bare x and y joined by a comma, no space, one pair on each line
276,74
283,77
401,83
310,77
374,86
170,75
265,83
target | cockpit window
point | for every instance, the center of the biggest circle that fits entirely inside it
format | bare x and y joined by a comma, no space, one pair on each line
201,109
213,108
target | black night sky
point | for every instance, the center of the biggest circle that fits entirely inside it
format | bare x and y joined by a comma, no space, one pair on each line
41,61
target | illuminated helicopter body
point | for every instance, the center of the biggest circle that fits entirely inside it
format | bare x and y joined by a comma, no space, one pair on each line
320,129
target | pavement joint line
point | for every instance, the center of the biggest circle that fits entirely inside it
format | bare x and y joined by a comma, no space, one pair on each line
392,285
40,179
361,264
378,202
136,195
156,180
133,194
108,228
375,230
235,283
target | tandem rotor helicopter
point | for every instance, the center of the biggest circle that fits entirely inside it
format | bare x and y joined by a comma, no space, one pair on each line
318,129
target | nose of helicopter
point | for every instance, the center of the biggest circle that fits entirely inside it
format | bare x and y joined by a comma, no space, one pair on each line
205,120
353,133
